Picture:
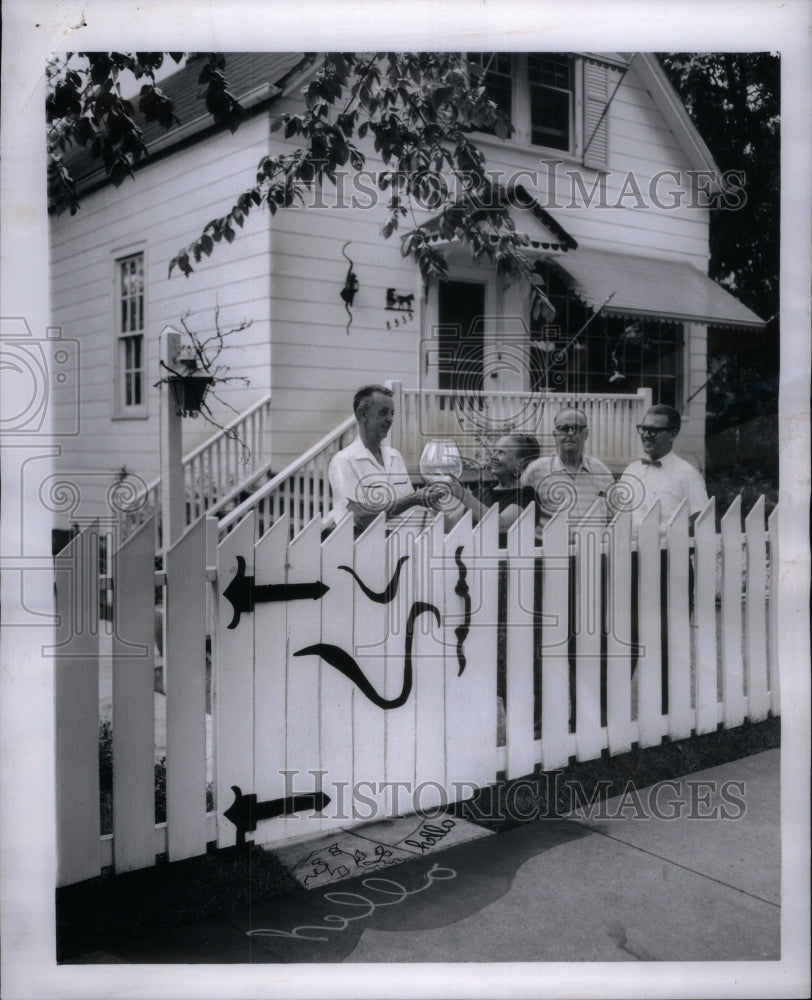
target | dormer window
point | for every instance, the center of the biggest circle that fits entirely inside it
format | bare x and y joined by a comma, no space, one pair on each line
555,100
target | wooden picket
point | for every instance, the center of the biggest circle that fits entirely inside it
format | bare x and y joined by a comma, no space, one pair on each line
377,685
133,688
185,671
233,681
775,685
618,637
588,541
335,690
369,626
270,676
76,691
649,664
735,704
556,745
705,664
680,712
521,751
758,698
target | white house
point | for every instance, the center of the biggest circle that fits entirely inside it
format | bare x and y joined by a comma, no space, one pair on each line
606,176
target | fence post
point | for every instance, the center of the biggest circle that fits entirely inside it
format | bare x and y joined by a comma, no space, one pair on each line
173,503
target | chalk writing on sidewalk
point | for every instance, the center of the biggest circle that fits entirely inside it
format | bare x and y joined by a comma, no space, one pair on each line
355,900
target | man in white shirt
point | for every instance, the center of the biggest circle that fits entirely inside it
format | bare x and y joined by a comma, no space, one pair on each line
662,475
568,480
368,477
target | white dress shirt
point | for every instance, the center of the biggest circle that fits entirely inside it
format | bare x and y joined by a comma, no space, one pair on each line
355,474
670,482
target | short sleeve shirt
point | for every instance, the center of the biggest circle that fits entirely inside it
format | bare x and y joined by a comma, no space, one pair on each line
355,474
557,489
671,482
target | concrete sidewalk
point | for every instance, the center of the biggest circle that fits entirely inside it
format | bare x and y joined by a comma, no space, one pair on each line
682,871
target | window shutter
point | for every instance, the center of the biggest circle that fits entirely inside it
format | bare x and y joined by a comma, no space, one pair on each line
596,123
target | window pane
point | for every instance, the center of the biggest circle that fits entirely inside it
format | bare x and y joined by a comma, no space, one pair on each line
497,78
551,90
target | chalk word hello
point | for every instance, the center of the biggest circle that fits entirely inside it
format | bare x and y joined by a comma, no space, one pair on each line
430,834
384,887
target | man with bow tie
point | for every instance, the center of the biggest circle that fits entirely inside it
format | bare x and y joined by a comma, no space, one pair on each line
662,475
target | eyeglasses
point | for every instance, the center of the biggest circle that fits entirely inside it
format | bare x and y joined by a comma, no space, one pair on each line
569,428
645,431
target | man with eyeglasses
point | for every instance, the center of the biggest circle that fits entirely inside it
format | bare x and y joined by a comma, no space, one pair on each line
662,475
569,479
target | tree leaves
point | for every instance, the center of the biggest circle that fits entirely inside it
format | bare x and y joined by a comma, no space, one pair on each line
417,110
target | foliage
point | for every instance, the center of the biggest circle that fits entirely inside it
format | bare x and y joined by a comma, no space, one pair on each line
418,111
734,101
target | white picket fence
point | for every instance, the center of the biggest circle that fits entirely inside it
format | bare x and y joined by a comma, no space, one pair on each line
347,690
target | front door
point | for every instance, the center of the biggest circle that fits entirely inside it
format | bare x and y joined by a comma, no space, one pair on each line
461,306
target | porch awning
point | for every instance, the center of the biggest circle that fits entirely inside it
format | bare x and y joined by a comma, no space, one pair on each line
645,286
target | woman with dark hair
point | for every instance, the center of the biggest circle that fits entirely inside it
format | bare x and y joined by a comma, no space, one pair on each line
509,457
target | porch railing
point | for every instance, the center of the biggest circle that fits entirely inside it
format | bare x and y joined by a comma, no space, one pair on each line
217,471
302,490
472,418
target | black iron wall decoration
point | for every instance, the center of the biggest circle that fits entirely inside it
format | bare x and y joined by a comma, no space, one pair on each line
398,302
401,303
345,664
243,593
244,812
351,285
383,596
462,590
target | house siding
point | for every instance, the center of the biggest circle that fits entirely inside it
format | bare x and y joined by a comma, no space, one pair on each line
165,207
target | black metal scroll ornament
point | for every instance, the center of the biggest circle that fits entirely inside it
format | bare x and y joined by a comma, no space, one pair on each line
461,631
351,285
243,594
383,596
245,812
345,664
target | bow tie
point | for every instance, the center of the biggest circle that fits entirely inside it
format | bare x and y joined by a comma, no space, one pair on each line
652,461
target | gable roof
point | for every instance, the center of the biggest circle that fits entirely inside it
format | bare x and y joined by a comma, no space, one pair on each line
673,111
253,77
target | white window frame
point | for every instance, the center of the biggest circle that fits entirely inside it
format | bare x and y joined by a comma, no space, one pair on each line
133,331
521,111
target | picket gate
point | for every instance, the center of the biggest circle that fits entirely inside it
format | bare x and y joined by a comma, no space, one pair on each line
357,678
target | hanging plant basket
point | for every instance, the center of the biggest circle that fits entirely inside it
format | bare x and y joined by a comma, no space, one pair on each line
188,393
